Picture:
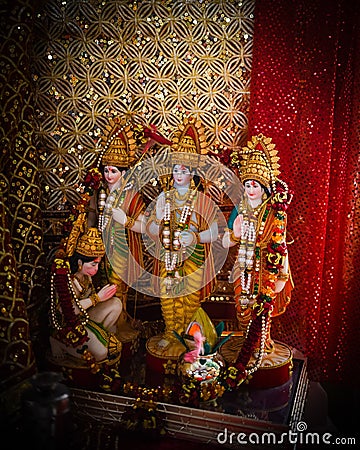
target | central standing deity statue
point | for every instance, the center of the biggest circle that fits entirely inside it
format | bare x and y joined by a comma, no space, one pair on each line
183,224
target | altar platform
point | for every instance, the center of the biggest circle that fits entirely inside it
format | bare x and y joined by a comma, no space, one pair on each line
248,411
97,419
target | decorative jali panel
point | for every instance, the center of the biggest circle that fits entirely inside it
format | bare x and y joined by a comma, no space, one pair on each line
157,60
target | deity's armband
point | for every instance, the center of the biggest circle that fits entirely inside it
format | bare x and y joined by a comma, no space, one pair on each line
129,222
283,276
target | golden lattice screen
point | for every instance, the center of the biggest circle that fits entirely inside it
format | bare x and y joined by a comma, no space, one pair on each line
162,60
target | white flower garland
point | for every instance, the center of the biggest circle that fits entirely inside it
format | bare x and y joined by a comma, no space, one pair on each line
105,217
172,244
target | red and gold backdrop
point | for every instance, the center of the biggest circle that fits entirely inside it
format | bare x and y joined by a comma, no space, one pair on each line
86,62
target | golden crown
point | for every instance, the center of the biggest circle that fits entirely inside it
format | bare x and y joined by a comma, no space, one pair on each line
255,168
118,144
116,155
258,161
91,244
189,142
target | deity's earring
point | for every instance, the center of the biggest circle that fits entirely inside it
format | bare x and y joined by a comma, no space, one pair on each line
192,184
79,266
264,197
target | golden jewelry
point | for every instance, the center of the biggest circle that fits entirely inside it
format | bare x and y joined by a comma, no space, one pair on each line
181,197
94,299
233,238
129,222
283,276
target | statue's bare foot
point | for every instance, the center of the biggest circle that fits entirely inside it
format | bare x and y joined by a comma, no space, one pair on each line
163,343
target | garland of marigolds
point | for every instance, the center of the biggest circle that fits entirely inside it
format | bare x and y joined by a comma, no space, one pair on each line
234,375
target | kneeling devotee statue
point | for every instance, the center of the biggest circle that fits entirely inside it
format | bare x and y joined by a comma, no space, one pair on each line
83,319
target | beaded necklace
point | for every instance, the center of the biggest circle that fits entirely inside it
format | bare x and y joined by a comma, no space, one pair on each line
105,217
251,230
172,228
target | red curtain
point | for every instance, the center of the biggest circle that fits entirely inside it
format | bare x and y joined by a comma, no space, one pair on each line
305,93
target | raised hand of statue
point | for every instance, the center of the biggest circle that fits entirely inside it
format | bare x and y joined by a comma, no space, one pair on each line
119,215
107,292
237,226
187,238
160,208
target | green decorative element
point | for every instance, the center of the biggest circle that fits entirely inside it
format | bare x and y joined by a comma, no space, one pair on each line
212,340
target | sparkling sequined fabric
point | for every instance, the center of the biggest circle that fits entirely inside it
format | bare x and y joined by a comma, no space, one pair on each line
305,94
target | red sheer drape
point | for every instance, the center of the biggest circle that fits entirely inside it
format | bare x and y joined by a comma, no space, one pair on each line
305,94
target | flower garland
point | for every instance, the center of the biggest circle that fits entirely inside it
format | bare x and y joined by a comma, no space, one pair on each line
143,415
104,217
234,375
258,328
247,249
171,240
72,330
191,393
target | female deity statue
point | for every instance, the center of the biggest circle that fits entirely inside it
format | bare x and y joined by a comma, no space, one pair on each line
118,212
261,275
83,320
184,226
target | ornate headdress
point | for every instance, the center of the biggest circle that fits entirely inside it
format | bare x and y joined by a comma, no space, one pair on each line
91,243
189,142
124,140
118,144
85,241
258,161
